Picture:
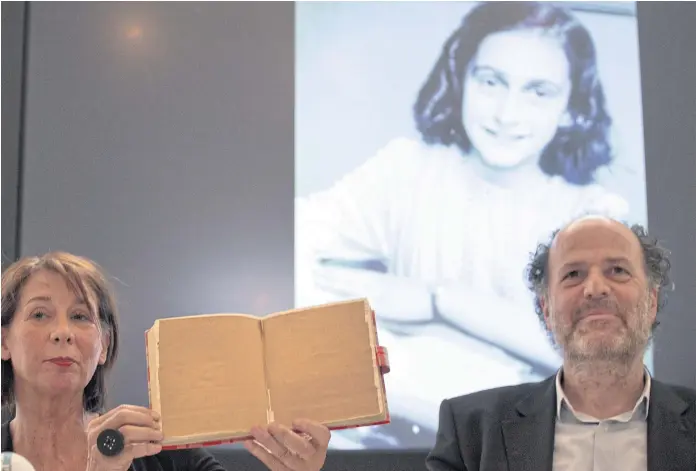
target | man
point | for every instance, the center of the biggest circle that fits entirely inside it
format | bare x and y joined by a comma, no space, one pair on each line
599,286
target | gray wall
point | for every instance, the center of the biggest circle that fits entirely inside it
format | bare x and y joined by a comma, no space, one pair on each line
166,154
668,70
13,53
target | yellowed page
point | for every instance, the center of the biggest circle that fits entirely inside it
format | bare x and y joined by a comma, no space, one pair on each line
211,377
321,364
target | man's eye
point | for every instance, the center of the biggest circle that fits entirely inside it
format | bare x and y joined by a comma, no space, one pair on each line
572,274
619,271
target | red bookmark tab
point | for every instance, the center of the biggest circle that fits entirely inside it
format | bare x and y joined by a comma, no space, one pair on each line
383,360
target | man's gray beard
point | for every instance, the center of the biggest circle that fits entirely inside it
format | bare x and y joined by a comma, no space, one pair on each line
621,349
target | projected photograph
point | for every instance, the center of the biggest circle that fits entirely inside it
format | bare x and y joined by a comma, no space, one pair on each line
436,144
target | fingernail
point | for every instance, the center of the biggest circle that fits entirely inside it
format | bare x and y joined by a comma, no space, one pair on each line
155,415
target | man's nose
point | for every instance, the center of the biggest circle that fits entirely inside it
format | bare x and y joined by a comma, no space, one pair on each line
596,286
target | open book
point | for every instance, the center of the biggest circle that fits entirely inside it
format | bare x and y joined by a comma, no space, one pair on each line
213,377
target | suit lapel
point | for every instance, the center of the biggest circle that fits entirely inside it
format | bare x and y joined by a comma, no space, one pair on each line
529,436
671,431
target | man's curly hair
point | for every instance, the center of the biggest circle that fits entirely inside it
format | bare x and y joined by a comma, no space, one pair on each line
656,265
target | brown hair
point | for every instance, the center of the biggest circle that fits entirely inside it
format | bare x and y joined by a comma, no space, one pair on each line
88,280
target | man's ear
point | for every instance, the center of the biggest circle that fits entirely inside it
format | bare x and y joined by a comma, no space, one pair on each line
5,349
544,305
654,297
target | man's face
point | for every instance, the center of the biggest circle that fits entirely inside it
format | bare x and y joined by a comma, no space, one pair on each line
599,304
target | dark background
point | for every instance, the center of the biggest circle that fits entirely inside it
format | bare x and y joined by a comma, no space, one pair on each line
157,139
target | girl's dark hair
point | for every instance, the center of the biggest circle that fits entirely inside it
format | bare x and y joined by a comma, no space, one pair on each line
576,151
88,280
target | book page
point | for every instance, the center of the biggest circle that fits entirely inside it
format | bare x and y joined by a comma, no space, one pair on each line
320,364
211,377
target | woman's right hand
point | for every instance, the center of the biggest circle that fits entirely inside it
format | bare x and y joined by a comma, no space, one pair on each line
141,431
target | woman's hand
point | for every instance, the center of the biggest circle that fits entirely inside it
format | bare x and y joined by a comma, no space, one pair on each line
141,432
281,449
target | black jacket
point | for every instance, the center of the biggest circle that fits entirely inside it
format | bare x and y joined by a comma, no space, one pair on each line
512,429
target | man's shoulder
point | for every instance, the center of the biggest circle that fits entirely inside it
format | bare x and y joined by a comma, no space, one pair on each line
684,393
498,402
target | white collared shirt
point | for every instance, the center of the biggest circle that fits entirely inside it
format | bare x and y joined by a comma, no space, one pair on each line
585,443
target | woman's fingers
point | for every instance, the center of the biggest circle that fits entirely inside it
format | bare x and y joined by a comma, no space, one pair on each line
128,415
133,434
292,441
138,450
142,436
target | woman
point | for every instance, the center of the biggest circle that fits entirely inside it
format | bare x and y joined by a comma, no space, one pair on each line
437,232
59,340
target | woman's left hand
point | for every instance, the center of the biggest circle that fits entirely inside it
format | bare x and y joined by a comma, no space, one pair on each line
282,449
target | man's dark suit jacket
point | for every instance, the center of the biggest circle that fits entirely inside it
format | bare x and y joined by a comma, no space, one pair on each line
513,428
